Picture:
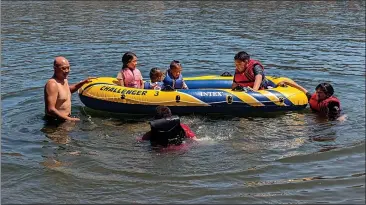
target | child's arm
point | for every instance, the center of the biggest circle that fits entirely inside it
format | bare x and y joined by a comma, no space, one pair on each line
142,83
184,85
146,136
189,133
120,79
257,82
292,84
295,85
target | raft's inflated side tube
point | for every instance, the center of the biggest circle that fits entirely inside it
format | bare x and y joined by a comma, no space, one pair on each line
104,94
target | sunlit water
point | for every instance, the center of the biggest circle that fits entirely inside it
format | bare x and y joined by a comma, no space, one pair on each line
290,157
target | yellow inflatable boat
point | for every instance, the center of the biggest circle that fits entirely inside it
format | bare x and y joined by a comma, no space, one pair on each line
206,95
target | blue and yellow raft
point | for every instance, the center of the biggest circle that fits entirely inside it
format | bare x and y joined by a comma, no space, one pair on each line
206,95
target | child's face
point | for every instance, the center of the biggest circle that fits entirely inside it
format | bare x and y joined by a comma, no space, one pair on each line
157,77
176,72
241,65
321,94
132,64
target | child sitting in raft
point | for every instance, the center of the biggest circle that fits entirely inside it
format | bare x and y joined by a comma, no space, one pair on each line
248,73
130,76
167,129
156,79
173,77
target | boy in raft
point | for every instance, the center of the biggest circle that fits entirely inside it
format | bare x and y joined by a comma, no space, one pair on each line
130,76
167,129
173,77
156,79
248,73
322,101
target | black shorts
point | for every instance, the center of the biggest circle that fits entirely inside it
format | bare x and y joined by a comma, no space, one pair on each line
51,120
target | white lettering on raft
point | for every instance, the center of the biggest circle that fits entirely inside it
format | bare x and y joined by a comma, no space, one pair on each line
211,93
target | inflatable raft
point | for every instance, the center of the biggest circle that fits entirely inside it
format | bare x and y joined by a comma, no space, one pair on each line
206,95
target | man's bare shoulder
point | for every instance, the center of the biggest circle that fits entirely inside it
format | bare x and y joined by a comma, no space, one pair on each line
54,81
51,84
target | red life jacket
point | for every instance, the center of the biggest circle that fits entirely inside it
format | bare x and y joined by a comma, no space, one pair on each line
322,106
247,77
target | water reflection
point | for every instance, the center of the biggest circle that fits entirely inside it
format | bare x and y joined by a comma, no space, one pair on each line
58,132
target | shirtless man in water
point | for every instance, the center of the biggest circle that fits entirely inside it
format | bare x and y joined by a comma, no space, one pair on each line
57,92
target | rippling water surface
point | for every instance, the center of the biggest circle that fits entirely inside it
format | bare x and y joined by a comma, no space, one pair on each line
292,157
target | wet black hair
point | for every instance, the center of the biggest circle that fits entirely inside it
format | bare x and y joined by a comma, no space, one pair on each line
126,58
242,56
326,88
162,112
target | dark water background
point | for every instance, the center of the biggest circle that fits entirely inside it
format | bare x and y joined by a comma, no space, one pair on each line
292,157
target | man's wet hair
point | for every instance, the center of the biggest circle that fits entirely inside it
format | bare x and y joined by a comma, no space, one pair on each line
162,112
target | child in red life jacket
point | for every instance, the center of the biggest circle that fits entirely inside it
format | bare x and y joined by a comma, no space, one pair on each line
156,79
166,129
322,101
130,76
248,72
173,77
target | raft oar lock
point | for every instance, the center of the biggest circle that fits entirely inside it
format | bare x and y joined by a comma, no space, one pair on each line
226,74
241,88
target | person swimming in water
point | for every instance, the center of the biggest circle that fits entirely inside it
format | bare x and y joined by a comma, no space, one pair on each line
322,100
166,129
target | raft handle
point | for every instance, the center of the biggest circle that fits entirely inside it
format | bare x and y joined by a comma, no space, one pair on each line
238,88
241,88
177,98
123,96
229,99
167,88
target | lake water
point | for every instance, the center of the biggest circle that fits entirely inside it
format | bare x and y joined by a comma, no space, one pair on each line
291,157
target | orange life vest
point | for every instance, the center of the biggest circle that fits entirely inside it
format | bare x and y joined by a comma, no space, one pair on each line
322,106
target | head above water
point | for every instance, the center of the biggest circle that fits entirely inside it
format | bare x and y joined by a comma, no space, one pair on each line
175,68
324,90
129,60
162,112
61,67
